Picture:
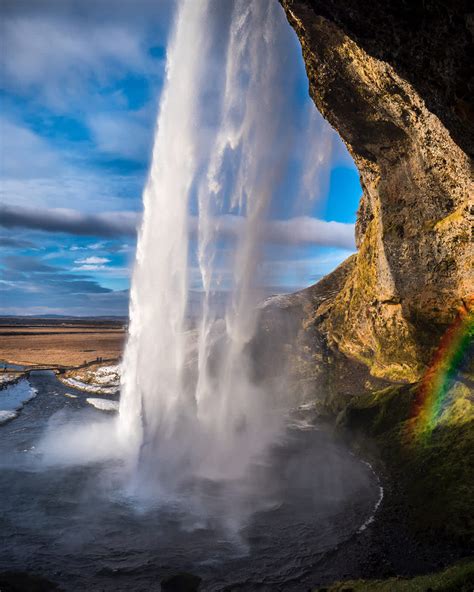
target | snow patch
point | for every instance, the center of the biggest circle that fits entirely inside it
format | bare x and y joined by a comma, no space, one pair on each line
104,380
107,375
6,377
7,416
13,398
104,404
90,388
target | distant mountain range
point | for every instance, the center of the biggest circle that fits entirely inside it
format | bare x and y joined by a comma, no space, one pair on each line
218,301
67,317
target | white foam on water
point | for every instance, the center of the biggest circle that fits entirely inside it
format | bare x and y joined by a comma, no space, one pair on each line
371,518
301,424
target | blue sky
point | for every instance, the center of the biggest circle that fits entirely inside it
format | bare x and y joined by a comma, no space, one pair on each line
79,93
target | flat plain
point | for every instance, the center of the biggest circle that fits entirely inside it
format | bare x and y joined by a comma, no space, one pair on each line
60,342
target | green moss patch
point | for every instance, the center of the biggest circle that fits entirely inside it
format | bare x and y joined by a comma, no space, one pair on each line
457,578
435,467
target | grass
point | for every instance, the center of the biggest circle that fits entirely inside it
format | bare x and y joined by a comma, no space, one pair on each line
456,578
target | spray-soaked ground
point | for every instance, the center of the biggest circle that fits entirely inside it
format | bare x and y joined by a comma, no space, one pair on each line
77,527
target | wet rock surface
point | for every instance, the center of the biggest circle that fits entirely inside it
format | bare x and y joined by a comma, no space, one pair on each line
182,582
18,581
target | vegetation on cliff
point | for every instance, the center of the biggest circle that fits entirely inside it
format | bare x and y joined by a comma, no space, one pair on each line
436,469
457,578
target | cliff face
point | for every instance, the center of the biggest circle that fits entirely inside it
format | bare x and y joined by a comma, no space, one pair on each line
393,81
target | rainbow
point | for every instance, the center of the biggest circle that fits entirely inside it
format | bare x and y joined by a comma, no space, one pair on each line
432,393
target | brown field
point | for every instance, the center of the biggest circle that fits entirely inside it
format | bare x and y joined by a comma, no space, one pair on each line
61,344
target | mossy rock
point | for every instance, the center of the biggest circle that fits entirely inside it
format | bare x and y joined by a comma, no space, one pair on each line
377,412
435,467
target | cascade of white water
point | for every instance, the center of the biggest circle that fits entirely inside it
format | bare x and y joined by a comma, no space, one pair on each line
222,145
151,390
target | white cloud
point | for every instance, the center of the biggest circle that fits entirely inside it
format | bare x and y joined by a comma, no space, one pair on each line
120,135
93,247
69,61
295,231
89,268
93,260
92,192
34,172
59,58
18,142
293,274
306,230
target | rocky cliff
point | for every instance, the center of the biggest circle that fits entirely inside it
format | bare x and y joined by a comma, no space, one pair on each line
393,78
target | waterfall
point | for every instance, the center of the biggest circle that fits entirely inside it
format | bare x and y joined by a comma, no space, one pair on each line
222,147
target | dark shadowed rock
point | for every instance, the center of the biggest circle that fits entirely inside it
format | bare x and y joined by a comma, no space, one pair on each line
182,582
16,581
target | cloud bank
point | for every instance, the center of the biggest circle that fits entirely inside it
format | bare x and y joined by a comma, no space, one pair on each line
105,224
295,231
